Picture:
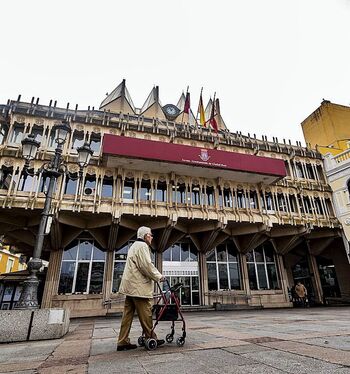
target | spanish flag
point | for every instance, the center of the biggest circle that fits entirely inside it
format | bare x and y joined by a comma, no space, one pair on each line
201,110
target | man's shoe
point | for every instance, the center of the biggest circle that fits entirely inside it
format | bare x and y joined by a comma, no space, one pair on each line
126,347
160,342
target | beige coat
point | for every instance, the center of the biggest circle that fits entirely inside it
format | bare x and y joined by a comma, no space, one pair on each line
139,272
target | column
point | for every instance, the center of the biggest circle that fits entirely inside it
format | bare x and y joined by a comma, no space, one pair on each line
283,275
203,279
52,278
315,276
108,275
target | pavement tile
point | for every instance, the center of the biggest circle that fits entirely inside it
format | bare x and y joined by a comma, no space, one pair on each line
247,348
291,363
21,366
336,342
72,348
321,353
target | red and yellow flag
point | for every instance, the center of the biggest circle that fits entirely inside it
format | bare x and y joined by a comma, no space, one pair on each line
201,110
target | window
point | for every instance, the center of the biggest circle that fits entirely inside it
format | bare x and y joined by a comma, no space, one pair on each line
241,201
5,177
38,133
95,142
299,170
120,256
78,139
307,204
161,191
3,133
267,201
282,204
44,182
318,205
26,181
180,264
179,193
9,265
262,271
210,196
196,195
253,200
145,190
223,268
293,203
82,268
71,184
228,201
310,171
348,186
89,185
52,139
107,187
128,190
17,134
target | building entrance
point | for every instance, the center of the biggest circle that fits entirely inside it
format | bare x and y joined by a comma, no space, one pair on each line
301,273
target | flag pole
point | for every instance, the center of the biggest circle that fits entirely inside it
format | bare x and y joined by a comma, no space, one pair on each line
183,111
198,110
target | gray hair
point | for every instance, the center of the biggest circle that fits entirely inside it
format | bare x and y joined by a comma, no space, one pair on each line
142,231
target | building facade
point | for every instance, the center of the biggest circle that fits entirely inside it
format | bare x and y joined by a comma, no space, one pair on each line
236,219
327,130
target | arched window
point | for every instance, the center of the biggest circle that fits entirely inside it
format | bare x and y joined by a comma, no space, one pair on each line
348,185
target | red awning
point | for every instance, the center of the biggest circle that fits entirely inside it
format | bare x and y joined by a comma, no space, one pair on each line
149,155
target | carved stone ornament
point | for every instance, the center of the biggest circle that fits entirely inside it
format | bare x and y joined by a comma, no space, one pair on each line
326,195
318,162
290,191
273,155
223,148
261,153
132,134
210,184
39,121
148,137
180,181
108,173
247,151
130,175
279,190
162,178
297,159
284,157
307,160
195,182
304,193
267,189
193,144
240,187
112,131
90,170
315,194
8,162
179,141
73,168
57,123
145,177
226,185
96,130
79,127
20,119
347,221
207,146
162,139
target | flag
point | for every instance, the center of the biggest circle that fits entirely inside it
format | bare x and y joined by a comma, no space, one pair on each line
212,119
201,110
187,103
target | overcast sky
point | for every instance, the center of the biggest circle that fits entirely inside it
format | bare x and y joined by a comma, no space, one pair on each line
270,62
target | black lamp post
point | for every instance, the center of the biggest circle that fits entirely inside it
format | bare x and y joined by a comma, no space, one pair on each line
55,168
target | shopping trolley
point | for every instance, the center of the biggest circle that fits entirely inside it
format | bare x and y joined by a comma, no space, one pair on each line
166,308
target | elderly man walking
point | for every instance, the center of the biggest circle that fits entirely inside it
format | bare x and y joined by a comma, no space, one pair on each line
137,286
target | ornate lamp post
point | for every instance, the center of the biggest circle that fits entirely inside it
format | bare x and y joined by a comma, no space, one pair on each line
54,169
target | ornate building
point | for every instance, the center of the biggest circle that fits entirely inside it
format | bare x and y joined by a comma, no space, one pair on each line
237,219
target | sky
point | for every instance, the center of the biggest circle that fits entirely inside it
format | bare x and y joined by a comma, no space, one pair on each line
270,62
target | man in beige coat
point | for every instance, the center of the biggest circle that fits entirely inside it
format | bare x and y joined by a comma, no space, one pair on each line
137,286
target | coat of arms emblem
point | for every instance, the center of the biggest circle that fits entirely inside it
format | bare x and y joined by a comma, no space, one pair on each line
204,156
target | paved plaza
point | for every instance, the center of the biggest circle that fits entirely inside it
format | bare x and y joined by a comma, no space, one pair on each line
260,341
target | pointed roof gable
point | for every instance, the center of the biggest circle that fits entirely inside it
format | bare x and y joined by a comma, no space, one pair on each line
119,100
219,119
152,106
181,105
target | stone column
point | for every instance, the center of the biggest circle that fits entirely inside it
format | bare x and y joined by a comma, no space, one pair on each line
203,279
316,280
283,275
244,273
108,275
159,261
52,278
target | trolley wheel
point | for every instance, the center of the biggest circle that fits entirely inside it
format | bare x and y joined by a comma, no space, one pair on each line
151,344
141,341
169,338
180,341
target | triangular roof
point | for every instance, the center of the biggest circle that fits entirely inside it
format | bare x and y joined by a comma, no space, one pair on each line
181,105
119,100
219,119
152,106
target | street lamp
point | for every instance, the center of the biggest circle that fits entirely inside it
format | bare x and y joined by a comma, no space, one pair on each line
54,169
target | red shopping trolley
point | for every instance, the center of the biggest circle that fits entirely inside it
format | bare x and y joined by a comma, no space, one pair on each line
166,308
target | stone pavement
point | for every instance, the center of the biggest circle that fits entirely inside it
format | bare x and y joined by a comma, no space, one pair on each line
264,341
